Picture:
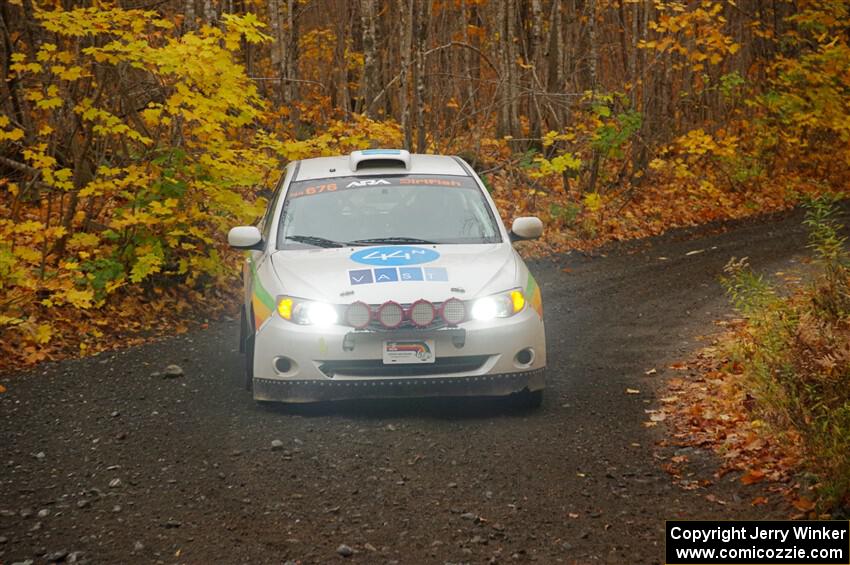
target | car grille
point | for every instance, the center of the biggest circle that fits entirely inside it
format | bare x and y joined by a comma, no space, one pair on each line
376,368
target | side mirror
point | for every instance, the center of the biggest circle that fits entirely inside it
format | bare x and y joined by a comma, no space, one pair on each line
245,237
526,227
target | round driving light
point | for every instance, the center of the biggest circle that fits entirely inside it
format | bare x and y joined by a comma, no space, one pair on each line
422,313
358,315
453,311
390,314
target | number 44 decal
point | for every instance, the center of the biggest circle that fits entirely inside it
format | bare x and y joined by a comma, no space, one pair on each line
395,254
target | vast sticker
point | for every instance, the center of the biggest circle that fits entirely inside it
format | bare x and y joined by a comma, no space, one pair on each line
395,256
386,275
360,276
397,274
436,274
411,273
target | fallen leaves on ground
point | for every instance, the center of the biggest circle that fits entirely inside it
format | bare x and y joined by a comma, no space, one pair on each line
707,408
134,321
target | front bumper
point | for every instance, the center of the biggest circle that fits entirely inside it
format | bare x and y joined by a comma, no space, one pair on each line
475,359
317,390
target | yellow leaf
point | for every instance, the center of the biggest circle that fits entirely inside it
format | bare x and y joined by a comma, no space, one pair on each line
79,298
11,135
593,201
72,73
9,320
146,265
43,333
49,103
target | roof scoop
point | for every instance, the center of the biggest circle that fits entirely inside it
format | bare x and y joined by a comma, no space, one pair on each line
379,159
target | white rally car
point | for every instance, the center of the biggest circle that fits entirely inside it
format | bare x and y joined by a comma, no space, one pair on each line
386,274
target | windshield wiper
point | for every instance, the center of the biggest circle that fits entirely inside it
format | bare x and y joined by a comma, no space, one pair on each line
390,240
315,240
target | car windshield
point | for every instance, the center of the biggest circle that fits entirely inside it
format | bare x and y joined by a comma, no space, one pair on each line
388,210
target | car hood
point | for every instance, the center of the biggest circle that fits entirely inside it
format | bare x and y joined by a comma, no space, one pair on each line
400,273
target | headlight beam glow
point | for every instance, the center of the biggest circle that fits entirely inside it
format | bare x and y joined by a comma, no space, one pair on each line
319,314
485,308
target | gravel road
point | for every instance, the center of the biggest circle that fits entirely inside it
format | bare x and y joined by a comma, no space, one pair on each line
103,460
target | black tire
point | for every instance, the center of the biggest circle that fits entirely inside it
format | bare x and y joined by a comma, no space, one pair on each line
249,363
530,399
243,328
247,342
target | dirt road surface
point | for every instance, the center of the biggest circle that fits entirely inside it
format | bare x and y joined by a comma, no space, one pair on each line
102,461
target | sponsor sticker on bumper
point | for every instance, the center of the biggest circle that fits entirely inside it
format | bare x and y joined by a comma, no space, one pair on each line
407,351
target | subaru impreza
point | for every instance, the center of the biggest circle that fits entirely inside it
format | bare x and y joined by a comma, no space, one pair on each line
388,274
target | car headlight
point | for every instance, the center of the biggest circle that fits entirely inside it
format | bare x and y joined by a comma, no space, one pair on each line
306,312
500,305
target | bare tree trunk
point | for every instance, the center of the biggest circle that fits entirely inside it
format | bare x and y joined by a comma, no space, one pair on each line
591,30
405,41
513,75
474,83
534,49
593,48
555,58
422,14
210,15
572,39
503,123
290,63
276,48
387,61
635,76
189,15
12,85
341,58
640,90
291,59
368,84
469,102
624,50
